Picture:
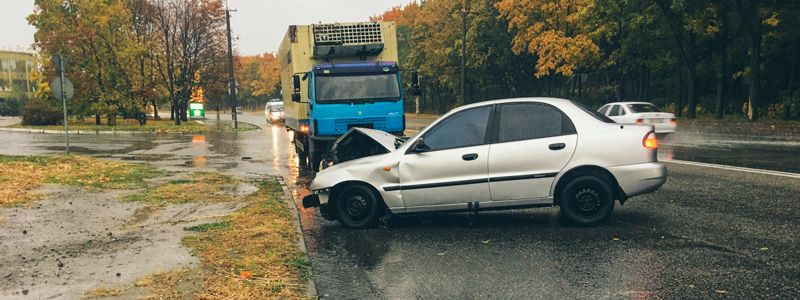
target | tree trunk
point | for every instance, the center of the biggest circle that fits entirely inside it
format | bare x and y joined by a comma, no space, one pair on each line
679,102
755,72
722,77
96,119
787,105
155,110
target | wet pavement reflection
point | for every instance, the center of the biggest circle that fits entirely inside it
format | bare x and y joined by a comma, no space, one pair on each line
675,243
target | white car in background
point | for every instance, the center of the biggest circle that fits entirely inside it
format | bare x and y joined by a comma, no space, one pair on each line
640,113
274,111
502,154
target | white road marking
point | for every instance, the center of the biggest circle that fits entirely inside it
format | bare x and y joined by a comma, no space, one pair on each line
733,168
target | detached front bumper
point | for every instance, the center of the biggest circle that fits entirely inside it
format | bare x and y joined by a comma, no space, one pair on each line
640,178
319,200
311,201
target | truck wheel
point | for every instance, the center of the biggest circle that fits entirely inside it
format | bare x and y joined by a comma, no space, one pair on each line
357,206
315,155
586,200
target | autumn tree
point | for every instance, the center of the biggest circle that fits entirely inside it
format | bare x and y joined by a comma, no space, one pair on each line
190,39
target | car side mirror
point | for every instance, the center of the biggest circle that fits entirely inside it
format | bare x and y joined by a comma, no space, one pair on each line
419,146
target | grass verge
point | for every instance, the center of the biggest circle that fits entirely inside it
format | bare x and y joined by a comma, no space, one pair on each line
252,254
208,187
20,176
155,126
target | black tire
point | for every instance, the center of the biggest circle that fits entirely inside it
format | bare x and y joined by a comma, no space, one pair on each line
586,200
357,206
315,155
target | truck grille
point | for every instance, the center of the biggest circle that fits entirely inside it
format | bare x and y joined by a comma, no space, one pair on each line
347,34
342,125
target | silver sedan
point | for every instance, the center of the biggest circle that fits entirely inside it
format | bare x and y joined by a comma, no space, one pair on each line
502,154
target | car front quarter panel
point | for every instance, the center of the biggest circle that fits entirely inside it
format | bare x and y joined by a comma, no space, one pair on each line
376,171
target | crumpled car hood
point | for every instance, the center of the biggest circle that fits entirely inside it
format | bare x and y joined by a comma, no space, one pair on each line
362,142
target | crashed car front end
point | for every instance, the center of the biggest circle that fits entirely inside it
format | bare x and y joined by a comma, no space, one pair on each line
361,155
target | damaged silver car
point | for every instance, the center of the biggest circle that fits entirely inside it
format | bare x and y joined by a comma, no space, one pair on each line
502,154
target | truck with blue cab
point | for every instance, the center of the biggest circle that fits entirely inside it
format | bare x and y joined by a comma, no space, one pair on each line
335,77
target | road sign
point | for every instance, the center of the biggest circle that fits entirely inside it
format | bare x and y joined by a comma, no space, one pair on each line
55,88
196,110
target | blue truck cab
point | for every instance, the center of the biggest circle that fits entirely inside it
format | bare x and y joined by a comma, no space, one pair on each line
360,94
346,95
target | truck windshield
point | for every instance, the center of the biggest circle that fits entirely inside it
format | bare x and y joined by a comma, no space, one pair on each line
378,87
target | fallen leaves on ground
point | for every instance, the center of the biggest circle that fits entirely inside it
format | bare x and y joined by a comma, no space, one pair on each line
252,254
22,175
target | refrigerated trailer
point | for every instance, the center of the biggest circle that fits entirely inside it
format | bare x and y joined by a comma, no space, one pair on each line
335,77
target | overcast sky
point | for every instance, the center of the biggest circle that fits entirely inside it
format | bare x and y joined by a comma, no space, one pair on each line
258,24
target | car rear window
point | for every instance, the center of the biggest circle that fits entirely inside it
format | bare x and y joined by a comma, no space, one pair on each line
528,121
643,108
593,113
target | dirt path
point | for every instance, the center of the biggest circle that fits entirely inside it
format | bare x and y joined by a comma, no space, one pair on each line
75,240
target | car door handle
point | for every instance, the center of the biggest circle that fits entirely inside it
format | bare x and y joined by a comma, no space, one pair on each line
471,156
557,146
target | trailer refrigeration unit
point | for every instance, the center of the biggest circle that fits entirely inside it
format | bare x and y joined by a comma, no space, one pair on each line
338,76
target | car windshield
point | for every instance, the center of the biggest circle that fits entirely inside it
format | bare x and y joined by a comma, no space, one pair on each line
276,108
379,87
593,113
643,108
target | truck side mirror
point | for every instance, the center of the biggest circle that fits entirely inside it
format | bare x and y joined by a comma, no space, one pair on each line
415,83
296,88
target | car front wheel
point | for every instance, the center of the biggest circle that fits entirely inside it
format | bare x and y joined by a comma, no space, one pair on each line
586,200
357,206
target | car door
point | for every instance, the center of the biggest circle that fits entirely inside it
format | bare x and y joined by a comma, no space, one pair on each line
534,142
453,170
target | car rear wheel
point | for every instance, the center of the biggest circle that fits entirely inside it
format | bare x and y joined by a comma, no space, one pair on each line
586,200
357,206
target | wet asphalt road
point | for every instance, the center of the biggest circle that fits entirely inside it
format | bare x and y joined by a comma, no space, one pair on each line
707,233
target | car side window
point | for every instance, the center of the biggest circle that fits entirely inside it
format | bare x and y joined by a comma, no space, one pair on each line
463,129
614,111
604,109
527,121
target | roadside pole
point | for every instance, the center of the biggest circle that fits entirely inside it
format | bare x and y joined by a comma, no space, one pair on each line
64,99
230,69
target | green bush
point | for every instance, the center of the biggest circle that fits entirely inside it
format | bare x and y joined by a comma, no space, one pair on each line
40,113
10,107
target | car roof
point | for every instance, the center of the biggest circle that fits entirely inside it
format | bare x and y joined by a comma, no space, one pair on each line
546,100
629,102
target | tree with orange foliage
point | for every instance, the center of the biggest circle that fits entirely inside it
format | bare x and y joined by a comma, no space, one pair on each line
554,31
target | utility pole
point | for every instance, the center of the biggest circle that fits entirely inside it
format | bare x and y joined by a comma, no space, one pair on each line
231,78
465,12
64,98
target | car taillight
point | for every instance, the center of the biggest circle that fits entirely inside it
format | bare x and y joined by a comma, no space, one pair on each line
650,141
639,121
673,121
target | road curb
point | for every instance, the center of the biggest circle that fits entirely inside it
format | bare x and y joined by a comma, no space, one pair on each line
109,132
311,292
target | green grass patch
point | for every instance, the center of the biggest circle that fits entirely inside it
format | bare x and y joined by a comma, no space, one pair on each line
257,250
202,186
22,175
209,226
156,126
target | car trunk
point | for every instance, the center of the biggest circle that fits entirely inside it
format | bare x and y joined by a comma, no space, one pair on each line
362,142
